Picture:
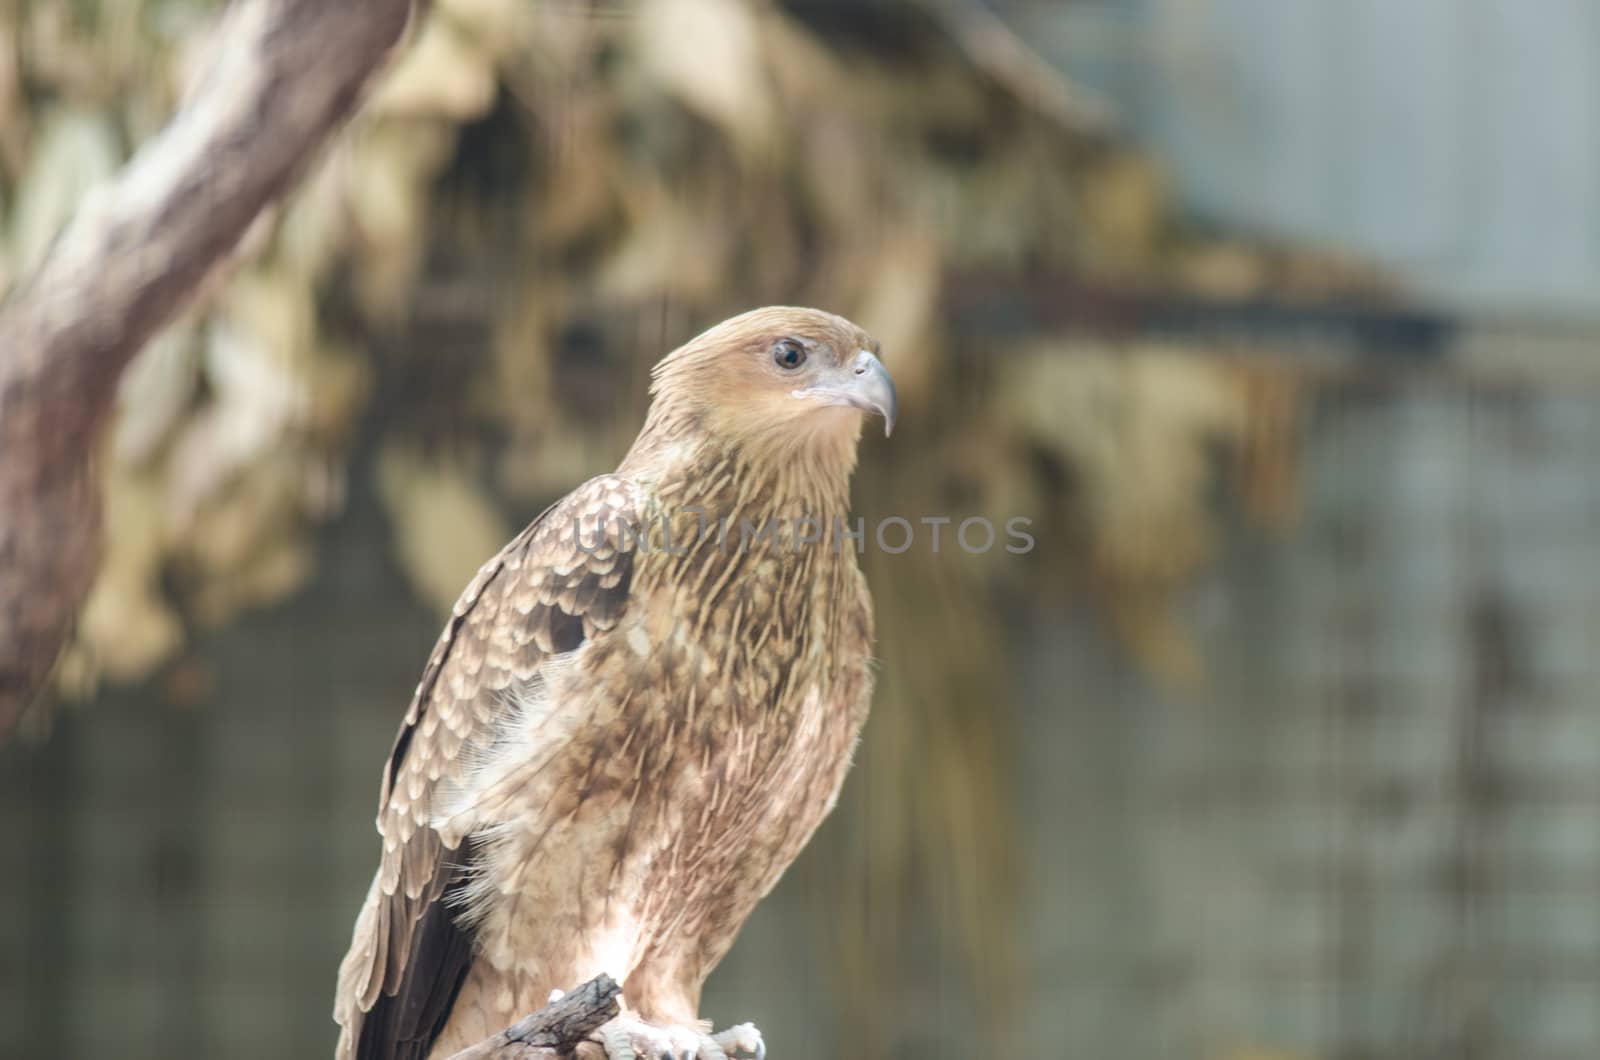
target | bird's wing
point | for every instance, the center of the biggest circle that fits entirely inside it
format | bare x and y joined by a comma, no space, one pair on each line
544,595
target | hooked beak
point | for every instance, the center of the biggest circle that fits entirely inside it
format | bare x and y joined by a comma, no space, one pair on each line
864,384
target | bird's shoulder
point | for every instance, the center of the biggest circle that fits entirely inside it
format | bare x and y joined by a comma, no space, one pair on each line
561,581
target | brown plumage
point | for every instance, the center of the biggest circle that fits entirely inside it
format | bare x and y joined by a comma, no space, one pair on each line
638,713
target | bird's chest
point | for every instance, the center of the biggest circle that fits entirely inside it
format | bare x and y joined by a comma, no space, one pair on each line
701,741
738,687
733,669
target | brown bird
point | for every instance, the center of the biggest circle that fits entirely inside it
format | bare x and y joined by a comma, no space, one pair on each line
637,715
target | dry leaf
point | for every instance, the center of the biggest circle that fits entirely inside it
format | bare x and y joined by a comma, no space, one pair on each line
445,527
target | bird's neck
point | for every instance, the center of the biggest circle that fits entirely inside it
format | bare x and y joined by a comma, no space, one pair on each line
786,478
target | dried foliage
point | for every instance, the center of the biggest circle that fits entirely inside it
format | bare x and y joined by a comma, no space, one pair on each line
538,201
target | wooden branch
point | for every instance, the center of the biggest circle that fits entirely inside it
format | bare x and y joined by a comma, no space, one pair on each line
556,1030
283,76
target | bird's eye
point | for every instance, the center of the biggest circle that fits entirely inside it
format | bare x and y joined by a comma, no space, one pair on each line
789,354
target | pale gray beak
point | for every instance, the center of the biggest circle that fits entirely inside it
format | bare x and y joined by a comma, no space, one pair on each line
865,384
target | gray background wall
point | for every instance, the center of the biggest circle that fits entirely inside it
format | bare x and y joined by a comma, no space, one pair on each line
1459,139
1377,833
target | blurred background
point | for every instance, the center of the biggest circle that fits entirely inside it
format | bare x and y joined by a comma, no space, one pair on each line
1277,318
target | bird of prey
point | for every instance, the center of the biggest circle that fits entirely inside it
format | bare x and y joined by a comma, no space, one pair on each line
636,716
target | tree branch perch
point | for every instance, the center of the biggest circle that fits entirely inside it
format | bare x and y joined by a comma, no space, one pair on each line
556,1030
283,76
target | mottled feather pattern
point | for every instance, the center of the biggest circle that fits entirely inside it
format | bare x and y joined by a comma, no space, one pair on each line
519,610
634,732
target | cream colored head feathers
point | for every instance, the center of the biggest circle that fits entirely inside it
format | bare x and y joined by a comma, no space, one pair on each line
780,379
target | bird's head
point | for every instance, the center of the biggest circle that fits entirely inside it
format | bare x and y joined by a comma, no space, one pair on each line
783,379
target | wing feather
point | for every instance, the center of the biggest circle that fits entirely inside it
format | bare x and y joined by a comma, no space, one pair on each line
546,593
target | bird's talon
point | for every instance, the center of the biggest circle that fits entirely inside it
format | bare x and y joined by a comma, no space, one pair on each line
741,1040
617,1041
629,1038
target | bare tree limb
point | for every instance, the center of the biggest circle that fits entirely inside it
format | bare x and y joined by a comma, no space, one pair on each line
556,1030
283,76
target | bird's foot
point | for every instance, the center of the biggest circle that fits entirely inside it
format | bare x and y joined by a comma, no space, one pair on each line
741,1040
629,1038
